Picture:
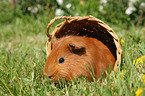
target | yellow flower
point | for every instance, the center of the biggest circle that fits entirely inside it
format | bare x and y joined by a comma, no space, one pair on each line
121,41
139,92
122,73
143,78
143,58
139,62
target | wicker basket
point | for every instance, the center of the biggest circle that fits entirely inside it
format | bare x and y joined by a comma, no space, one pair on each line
88,26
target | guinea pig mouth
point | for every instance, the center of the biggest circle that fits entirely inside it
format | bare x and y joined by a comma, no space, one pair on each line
49,73
52,76
59,77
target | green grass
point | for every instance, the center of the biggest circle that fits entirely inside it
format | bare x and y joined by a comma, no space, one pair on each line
22,59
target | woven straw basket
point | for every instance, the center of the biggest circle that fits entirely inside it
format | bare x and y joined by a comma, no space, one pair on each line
88,26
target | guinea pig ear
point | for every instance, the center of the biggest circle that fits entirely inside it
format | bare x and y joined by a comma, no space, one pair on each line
76,50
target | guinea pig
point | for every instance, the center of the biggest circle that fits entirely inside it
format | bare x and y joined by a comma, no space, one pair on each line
76,56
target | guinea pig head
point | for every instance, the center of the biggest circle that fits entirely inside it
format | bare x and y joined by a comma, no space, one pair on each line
67,60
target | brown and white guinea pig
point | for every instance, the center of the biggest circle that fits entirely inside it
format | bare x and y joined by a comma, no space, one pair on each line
78,56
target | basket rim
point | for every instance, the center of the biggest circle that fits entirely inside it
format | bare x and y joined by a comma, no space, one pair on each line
90,18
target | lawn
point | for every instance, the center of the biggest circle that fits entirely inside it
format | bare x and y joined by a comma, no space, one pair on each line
23,54
22,59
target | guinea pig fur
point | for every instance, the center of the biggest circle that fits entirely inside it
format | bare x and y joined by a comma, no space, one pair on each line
78,56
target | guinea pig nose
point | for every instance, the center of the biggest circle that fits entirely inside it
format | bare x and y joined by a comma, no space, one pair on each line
49,77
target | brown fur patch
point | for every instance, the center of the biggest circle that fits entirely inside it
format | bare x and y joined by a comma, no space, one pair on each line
87,53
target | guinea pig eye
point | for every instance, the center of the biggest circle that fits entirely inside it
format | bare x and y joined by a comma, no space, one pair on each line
61,60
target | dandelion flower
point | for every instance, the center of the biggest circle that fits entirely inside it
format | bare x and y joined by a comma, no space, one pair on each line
143,78
139,92
139,62
121,41
122,73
